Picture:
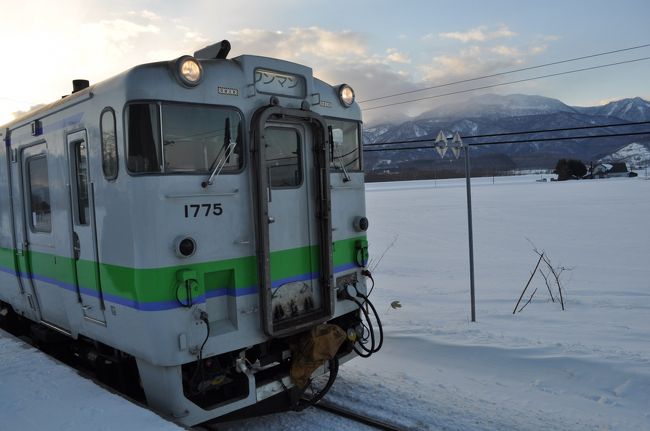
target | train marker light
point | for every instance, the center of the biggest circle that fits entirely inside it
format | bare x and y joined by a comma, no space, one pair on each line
346,95
189,71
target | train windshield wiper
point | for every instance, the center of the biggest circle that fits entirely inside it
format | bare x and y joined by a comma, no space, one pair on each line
222,156
220,162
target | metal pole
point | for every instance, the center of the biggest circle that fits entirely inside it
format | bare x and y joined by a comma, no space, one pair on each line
469,228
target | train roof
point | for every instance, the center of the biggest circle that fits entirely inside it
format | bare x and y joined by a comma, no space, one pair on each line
132,75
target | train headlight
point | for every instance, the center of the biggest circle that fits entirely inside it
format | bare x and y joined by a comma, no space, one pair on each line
184,246
346,95
189,71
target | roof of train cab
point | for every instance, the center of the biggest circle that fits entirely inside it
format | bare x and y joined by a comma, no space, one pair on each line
236,82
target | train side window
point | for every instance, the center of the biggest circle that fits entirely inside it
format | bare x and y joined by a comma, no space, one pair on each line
283,157
109,144
346,156
39,190
144,149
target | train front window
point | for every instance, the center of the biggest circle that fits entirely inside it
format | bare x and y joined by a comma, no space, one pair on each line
144,138
191,138
345,154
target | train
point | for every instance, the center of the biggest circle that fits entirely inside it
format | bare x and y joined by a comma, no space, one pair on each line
197,227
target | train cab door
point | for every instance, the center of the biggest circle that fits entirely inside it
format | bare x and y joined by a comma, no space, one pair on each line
38,251
294,238
85,267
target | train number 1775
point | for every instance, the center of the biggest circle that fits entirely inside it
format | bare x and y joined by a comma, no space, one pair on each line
203,210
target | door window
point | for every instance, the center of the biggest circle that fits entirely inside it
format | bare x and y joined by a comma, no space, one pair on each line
39,191
81,174
283,157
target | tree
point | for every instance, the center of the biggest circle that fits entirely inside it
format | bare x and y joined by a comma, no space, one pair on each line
571,168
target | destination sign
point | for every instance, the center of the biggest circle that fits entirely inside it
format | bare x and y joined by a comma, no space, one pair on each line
282,84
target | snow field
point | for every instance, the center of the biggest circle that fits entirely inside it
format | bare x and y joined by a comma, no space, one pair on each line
37,393
586,368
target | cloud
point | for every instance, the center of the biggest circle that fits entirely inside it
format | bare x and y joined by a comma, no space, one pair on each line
506,51
478,34
302,43
146,14
471,62
122,30
397,57
537,49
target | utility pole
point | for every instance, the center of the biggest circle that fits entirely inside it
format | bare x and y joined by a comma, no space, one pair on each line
456,146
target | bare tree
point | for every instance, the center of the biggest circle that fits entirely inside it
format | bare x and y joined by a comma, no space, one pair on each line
555,271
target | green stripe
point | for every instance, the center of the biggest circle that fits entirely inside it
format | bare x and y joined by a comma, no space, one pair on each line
159,284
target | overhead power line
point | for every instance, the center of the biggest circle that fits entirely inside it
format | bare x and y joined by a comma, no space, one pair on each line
478,78
493,135
431,147
509,83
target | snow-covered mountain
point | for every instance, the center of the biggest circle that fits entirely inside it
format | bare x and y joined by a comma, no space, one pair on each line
493,114
635,109
497,106
636,155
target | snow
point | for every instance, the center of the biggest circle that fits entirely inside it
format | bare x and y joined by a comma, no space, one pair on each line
635,154
584,368
38,393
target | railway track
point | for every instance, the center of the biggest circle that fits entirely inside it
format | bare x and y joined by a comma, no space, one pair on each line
364,419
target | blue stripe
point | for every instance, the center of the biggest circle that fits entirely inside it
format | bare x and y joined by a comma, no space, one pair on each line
301,277
142,306
170,305
345,267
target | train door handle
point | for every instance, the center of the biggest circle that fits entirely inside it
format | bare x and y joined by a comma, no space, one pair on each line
86,307
271,220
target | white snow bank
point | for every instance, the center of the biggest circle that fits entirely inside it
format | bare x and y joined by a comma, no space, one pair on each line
38,393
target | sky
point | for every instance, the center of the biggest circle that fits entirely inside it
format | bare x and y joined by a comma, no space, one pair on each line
378,47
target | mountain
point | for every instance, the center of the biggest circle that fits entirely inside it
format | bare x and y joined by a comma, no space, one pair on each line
636,155
495,114
635,109
497,106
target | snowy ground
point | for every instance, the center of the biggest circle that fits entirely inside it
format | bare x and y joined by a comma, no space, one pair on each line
584,368
38,393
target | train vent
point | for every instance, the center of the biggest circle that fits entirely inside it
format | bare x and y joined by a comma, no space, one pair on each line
79,84
217,51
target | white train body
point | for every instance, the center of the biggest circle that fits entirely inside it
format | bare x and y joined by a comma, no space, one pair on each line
109,232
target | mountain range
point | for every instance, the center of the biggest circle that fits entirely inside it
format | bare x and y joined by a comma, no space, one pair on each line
495,114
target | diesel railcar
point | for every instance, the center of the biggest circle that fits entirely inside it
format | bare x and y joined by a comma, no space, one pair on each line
199,218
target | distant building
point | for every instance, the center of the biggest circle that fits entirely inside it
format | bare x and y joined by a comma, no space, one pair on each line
610,170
